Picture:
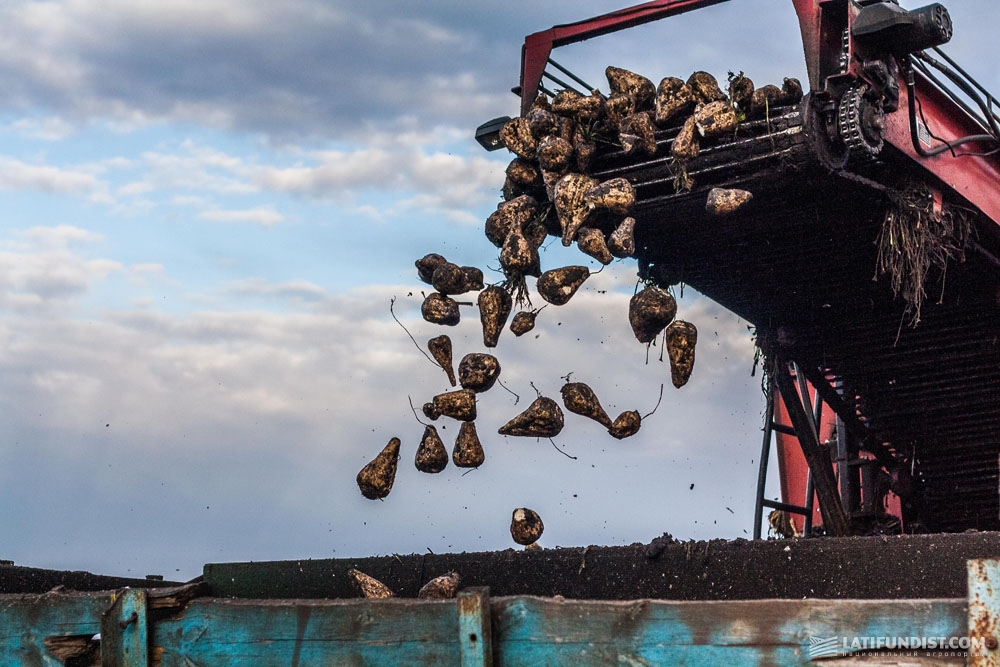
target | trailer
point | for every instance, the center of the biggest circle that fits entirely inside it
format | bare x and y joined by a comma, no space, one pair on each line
897,600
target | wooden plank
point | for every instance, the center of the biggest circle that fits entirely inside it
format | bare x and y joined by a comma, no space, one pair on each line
374,633
555,633
124,633
26,621
475,632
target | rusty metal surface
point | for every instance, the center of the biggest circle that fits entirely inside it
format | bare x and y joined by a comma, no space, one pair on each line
984,612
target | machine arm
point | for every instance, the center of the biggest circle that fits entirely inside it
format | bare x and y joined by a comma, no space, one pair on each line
538,46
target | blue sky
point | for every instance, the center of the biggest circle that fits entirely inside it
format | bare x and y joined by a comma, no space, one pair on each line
206,209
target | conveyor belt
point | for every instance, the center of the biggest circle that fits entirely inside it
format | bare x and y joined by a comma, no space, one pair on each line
799,262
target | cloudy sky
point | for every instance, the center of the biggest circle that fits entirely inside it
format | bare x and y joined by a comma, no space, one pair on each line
207,207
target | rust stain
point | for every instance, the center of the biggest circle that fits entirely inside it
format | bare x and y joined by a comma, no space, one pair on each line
301,621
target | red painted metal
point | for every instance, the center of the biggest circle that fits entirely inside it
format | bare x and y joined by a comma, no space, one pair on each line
793,471
538,46
975,178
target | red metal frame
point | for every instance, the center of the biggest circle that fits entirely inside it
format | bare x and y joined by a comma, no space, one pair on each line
821,23
538,46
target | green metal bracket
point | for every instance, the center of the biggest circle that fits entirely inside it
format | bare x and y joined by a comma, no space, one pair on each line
124,630
475,637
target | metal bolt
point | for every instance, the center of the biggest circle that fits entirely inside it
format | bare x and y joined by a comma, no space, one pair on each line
992,644
135,617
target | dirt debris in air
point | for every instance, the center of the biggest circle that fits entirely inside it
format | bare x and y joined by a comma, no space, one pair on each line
549,191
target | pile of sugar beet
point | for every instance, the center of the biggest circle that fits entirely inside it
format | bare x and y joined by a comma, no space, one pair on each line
548,192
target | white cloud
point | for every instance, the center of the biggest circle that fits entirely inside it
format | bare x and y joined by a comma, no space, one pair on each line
235,409
49,128
18,175
264,216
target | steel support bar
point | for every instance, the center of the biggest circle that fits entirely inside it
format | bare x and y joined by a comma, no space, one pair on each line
538,46
475,636
124,632
850,417
765,454
830,507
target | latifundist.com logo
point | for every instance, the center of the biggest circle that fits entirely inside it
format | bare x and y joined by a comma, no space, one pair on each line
828,647
823,648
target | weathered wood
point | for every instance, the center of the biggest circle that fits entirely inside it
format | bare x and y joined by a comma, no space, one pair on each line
525,630
124,630
475,631
27,620
375,633
545,631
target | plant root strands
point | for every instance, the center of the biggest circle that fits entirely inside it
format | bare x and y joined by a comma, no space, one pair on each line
681,339
468,452
369,587
526,526
375,479
432,456
542,419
